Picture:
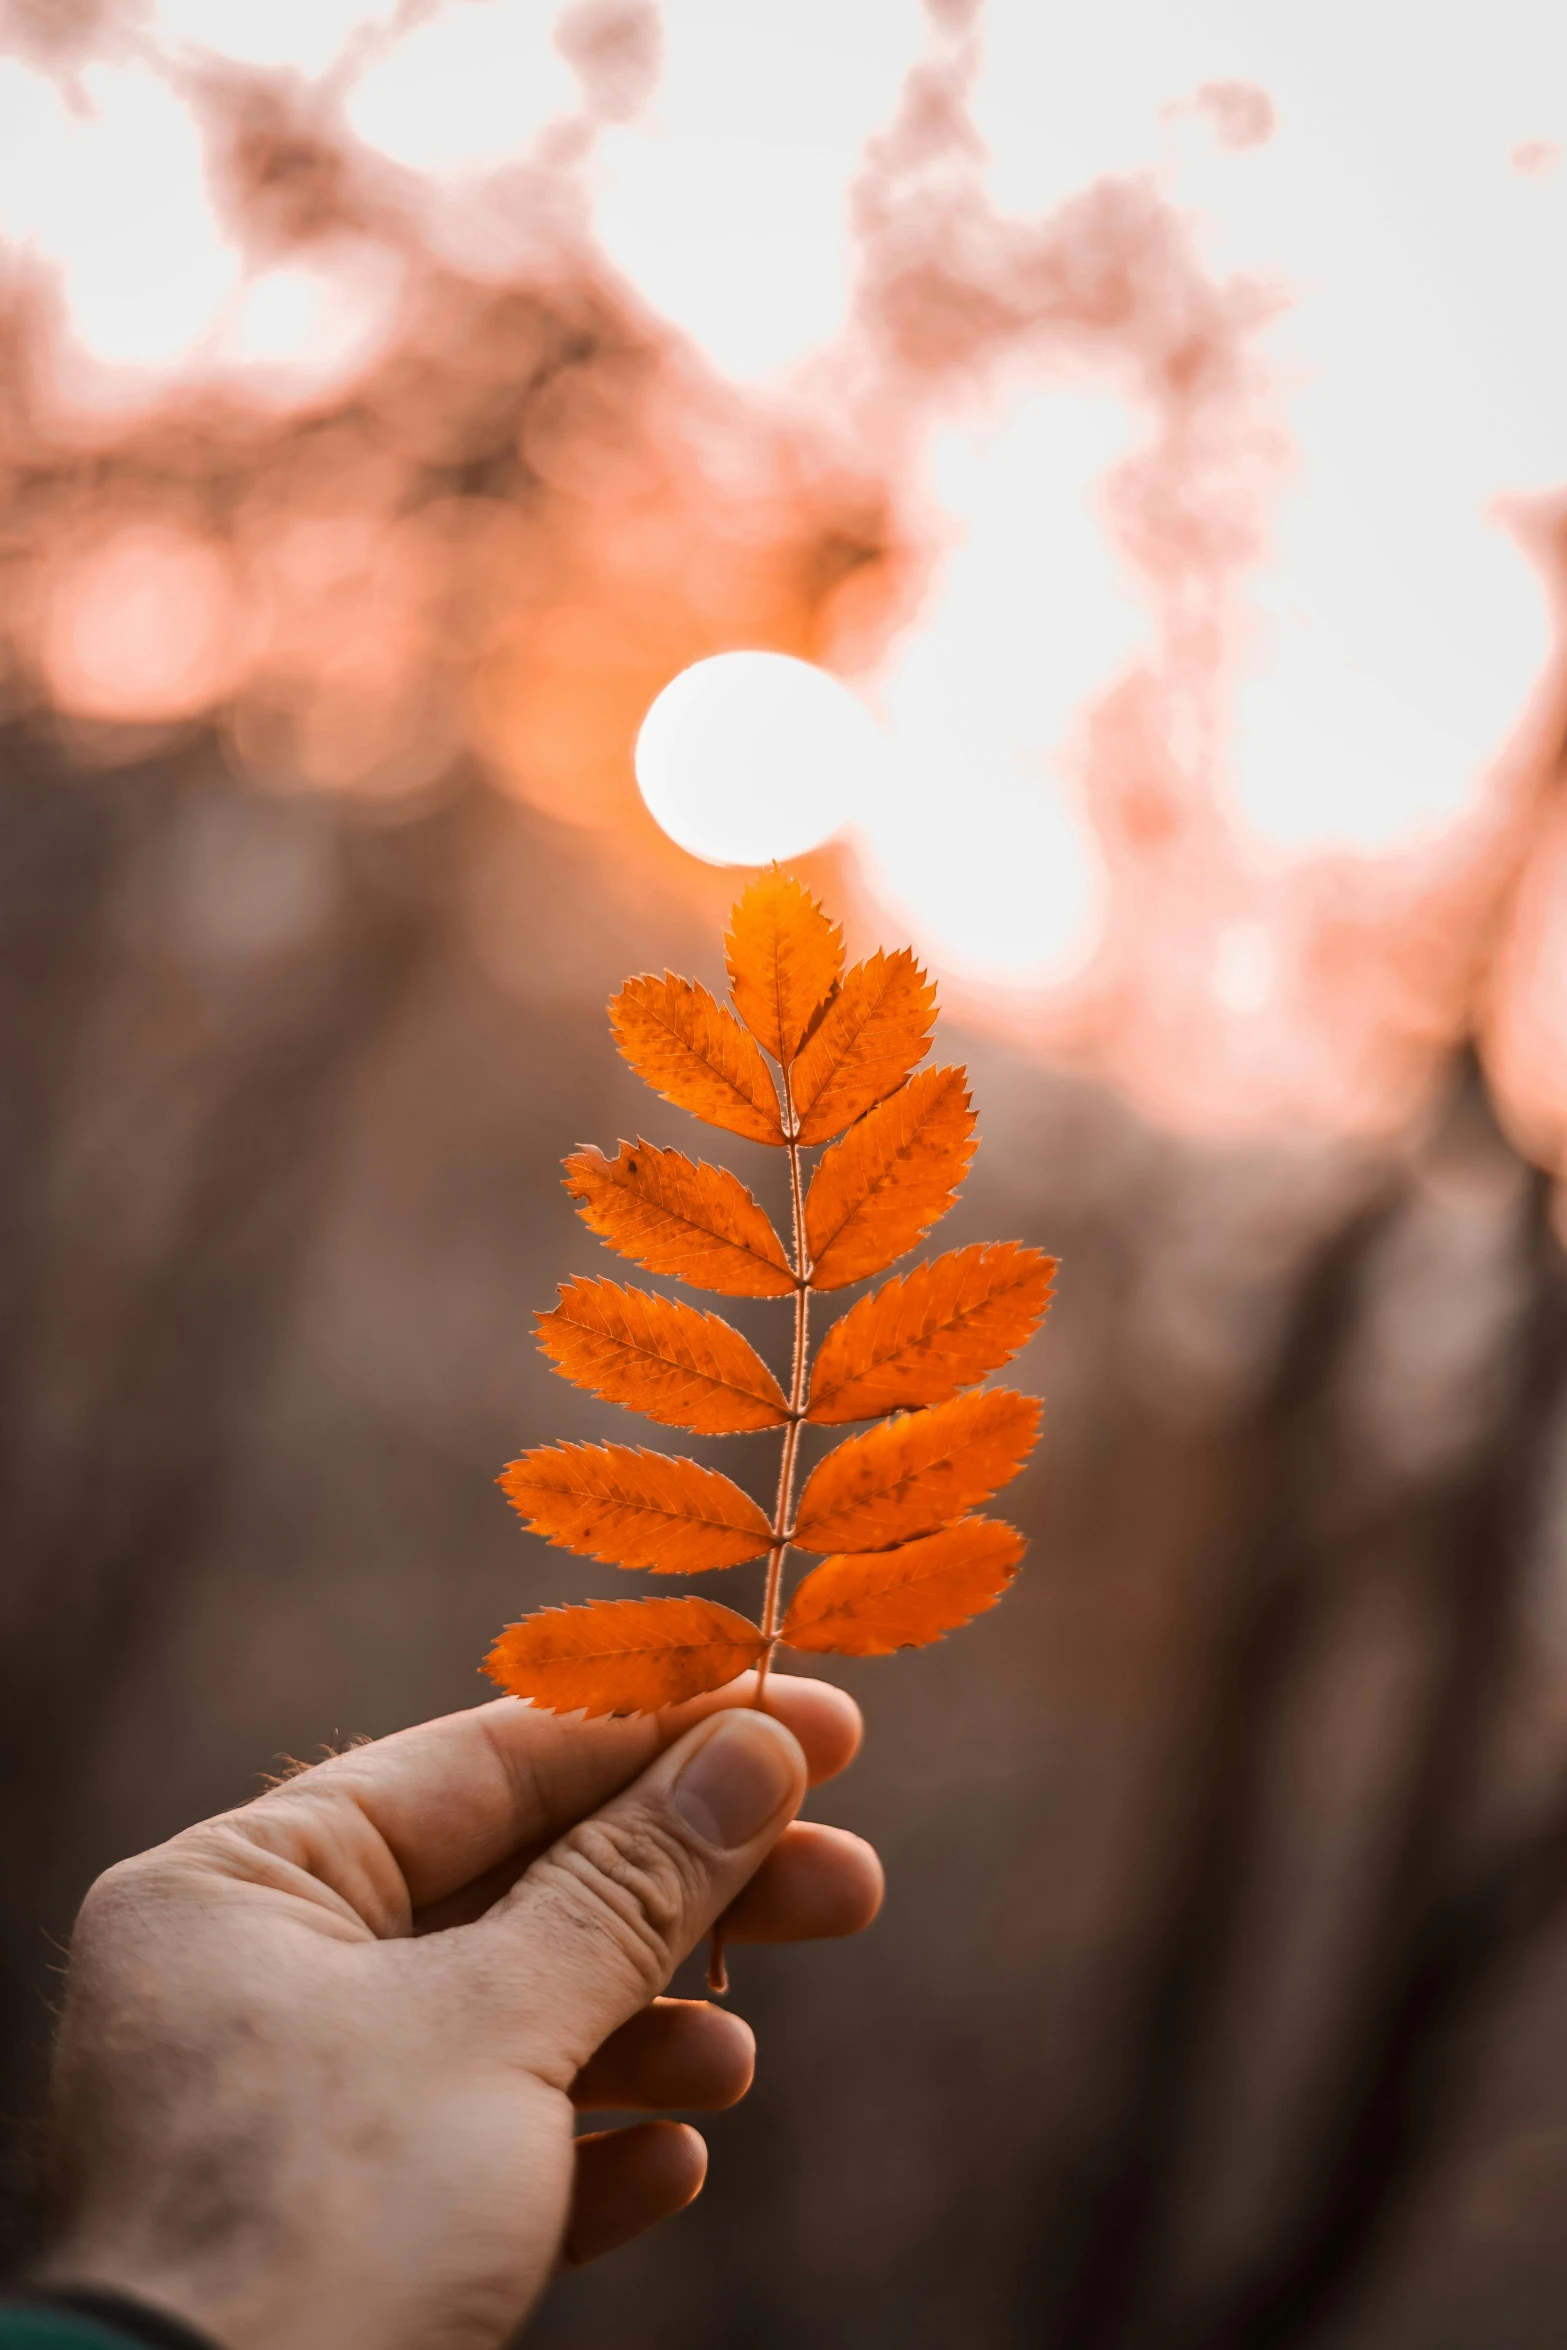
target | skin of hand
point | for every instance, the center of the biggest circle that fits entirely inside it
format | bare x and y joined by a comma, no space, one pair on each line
320,2058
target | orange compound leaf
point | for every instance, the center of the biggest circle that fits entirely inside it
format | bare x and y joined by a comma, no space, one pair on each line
688,1048
925,1335
634,1508
622,1656
875,1030
677,1364
882,1600
917,1472
894,1174
697,1222
785,958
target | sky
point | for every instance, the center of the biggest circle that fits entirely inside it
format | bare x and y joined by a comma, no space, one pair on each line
1390,181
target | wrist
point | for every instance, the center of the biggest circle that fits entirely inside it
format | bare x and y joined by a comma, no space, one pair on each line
135,2300
47,2316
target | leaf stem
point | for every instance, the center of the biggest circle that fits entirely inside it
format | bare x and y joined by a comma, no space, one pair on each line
771,1608
717,1966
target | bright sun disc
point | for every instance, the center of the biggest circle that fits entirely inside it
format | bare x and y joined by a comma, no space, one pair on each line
750,756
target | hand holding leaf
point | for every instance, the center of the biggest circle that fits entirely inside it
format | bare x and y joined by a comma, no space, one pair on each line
895,1506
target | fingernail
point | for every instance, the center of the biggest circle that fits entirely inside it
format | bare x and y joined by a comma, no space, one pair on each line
736,1779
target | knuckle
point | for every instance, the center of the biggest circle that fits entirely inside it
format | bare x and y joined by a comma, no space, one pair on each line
636,1884
112,1901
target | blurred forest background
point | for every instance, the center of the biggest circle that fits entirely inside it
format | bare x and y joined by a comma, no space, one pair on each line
1220,2001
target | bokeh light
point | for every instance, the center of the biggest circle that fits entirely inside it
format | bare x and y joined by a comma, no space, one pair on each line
142,627
749,756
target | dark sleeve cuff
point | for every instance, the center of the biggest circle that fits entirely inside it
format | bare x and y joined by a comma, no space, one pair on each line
83,2318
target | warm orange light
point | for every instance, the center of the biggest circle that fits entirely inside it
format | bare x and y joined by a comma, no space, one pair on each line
750,756
142,627
405,388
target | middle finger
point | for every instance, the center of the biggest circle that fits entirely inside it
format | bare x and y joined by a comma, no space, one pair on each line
676,2055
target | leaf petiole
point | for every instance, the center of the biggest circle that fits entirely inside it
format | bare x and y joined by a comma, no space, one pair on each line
772,1613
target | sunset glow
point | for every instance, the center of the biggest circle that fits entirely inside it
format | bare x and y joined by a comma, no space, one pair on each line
803,746
1206,583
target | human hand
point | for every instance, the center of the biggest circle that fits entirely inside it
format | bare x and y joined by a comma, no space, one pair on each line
319,2057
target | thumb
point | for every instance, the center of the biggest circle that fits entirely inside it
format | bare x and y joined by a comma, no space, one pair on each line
600,1922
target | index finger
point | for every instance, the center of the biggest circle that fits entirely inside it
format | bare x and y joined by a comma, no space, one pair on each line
457,1797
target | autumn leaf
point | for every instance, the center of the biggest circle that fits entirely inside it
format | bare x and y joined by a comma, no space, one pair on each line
679,1365
634,1508
917,1472
924,1335
622,1656
784,960
874,1031
694,1052
878,1191
877,1601
890,1511
697,1222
